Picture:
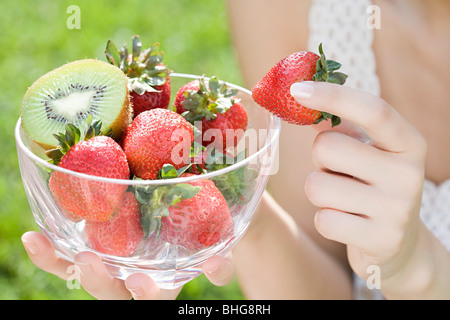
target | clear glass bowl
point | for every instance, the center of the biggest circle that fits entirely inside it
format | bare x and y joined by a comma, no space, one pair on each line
169,265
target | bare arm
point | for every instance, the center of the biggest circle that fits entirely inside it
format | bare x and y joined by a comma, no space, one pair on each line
277,260
282,255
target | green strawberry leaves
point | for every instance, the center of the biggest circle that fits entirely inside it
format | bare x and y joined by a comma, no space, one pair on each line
112,54
209,100
143,68
156,200
72,135
325,72
237,186
335,120
140,85
168,171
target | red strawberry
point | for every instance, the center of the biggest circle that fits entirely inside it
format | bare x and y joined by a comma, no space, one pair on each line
200,221
150,99
218,109
194,214
192,86
273,90
157,137
121,235
231,124
81,198
148,77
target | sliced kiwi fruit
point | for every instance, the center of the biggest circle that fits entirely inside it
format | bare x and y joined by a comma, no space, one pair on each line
72,92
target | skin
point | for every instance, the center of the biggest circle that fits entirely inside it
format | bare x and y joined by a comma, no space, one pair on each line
97,281
307,238
331,235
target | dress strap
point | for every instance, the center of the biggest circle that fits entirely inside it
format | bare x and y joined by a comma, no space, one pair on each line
342,27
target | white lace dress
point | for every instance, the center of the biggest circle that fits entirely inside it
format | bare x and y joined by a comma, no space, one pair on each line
346,29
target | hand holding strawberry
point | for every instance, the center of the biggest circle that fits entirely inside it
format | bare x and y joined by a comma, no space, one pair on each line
272,91
367,190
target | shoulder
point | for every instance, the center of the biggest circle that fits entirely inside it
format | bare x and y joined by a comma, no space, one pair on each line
265,31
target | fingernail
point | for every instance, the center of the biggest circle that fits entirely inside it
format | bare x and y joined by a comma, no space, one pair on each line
31,246
302,90
212,269
136,292
85,268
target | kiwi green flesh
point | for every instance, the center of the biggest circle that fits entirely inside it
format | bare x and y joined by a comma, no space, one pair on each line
69,94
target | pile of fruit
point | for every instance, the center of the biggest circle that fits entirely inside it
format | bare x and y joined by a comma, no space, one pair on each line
113,120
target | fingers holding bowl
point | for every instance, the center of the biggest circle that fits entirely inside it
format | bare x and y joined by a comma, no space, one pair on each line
43,255
219,270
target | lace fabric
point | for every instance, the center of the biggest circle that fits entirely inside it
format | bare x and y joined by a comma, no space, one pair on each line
435,210
342,28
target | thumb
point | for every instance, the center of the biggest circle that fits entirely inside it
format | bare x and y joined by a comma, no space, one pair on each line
219,270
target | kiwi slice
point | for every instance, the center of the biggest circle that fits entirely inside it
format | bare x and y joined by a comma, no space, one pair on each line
72,92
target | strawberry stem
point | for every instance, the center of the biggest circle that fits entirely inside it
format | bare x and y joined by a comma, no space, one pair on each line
72,135
325,72
143,68
210,99
156,201
238,185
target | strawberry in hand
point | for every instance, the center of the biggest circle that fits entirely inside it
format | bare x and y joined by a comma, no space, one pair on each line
272,91
148,77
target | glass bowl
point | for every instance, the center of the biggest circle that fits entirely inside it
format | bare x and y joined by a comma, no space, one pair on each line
170,264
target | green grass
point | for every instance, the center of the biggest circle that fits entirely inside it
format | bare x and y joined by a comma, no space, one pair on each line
34,39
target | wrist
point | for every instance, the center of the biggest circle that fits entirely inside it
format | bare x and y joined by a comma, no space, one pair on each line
417,277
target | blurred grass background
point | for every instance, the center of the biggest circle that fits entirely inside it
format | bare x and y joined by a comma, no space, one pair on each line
34,39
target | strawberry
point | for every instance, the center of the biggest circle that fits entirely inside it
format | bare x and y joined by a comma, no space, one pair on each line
81,198
120,235
150,99
157,137
200,221
194,214
198,160
218,109
237,185
192,86
148,77
273,90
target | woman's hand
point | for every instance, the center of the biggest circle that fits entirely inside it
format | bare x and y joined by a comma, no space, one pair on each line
369,195
98,282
